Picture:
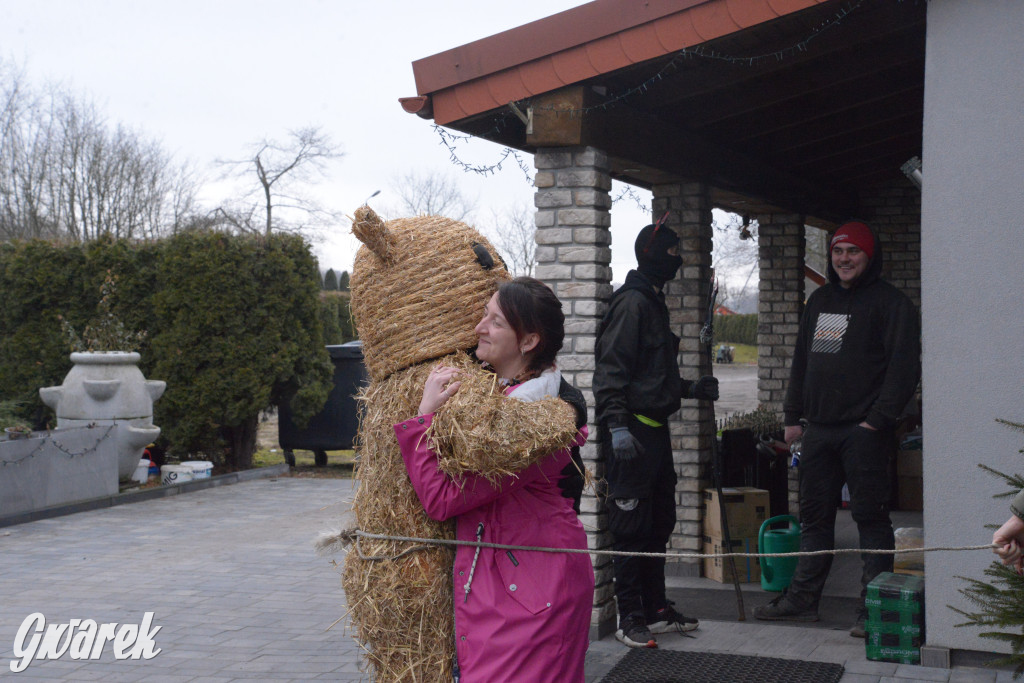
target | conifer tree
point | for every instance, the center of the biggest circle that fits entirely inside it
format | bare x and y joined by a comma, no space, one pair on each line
330,280
1000,603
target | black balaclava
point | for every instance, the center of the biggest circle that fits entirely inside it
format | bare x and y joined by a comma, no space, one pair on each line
652,257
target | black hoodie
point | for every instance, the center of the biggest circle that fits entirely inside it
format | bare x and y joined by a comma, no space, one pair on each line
858,354
637,366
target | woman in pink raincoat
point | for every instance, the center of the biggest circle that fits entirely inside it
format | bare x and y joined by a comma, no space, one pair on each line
519,615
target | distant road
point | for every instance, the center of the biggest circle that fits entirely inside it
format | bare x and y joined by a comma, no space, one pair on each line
737,388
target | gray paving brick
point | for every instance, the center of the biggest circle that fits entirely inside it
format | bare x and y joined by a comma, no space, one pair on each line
239,594
972,675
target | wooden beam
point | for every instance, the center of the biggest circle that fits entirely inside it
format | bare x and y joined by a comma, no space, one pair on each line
557,118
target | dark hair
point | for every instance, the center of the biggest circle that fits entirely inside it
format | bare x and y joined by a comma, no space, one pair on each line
530,306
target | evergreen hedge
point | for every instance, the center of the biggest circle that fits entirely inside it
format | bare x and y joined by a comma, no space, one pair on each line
737,329
336,318
233,326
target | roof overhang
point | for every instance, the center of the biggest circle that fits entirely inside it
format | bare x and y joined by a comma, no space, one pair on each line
791,105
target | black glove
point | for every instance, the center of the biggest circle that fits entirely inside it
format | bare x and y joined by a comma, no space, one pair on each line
624,445
704,389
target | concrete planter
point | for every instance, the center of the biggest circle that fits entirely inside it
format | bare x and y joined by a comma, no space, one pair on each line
108,388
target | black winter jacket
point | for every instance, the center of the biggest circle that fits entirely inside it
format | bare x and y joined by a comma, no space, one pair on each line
637,366
858,354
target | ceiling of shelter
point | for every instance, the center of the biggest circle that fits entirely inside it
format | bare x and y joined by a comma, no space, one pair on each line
799,113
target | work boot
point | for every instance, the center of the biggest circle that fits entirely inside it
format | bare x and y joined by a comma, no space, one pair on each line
633,632
668,620
858,630
781,609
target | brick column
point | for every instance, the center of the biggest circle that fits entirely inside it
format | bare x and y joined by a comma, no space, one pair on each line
692,428
895,214
780,302
574,259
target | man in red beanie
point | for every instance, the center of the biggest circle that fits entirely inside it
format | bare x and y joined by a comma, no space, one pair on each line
855,367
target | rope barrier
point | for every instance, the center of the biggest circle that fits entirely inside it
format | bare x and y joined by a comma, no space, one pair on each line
354,535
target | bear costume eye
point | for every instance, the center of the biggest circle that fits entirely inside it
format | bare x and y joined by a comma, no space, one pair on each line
483,257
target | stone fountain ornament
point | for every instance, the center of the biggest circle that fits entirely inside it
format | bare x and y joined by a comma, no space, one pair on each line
105,385
107,388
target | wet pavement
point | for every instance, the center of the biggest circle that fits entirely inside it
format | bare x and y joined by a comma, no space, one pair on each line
238,593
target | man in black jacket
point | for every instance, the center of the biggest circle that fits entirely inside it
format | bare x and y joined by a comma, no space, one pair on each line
636,388
856,365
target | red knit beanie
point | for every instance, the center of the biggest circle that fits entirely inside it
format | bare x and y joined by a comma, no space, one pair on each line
857,234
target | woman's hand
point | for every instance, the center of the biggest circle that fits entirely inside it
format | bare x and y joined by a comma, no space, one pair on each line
440,387
1009,538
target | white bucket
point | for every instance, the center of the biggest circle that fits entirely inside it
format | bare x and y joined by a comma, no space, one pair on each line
175,474
201,469
141,472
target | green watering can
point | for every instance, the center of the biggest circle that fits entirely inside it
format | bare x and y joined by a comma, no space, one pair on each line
777,572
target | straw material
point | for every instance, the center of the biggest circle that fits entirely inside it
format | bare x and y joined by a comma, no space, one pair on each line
401,609
480,430
418,289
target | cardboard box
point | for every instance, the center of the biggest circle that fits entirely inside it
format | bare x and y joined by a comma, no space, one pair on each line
718,568
910,493
909,463
745,507
895,619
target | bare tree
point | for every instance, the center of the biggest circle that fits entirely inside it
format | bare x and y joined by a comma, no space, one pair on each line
284,172
65,173
434,194
514,233
735,256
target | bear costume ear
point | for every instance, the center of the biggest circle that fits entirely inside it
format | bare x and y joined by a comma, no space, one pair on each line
369,229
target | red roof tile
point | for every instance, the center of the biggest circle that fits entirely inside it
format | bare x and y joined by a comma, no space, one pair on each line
581,43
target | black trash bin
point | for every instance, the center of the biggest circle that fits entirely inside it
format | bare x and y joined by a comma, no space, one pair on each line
334,427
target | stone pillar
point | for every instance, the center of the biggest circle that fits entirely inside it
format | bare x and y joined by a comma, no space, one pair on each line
692,428
574,259
780,302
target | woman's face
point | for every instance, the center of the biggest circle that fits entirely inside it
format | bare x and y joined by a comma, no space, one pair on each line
497,343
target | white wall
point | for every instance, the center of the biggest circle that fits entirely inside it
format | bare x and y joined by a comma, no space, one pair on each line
972,281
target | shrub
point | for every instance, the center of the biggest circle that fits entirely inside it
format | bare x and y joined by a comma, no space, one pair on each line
738,329
234,327
336,318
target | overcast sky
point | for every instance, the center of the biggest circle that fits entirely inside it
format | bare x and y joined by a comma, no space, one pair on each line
207,78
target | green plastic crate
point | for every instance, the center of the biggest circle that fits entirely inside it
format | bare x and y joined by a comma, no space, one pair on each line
895,618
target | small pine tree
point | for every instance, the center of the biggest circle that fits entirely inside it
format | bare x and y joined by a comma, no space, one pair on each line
330,280
343,281
1000,603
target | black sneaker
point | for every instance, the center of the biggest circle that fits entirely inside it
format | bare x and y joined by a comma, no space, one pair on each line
634,633
667,620
858,630
781,609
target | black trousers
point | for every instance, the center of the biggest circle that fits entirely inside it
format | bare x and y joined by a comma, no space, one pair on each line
651,478
832,455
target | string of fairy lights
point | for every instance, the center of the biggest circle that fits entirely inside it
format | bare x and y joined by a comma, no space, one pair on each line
51,442
504,119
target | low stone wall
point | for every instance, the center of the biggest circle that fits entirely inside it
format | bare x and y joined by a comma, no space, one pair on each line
53,468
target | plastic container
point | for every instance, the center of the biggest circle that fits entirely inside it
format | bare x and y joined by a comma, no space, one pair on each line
175,474
777,572
201,469
141,472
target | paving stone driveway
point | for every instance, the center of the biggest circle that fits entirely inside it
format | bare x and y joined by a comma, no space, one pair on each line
230,573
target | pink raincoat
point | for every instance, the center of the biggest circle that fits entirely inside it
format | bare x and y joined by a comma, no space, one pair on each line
524,615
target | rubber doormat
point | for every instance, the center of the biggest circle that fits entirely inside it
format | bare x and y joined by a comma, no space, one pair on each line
671,666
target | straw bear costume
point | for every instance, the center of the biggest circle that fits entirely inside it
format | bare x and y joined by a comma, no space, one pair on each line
419,286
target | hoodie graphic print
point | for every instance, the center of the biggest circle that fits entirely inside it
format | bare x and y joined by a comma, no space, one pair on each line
828,333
